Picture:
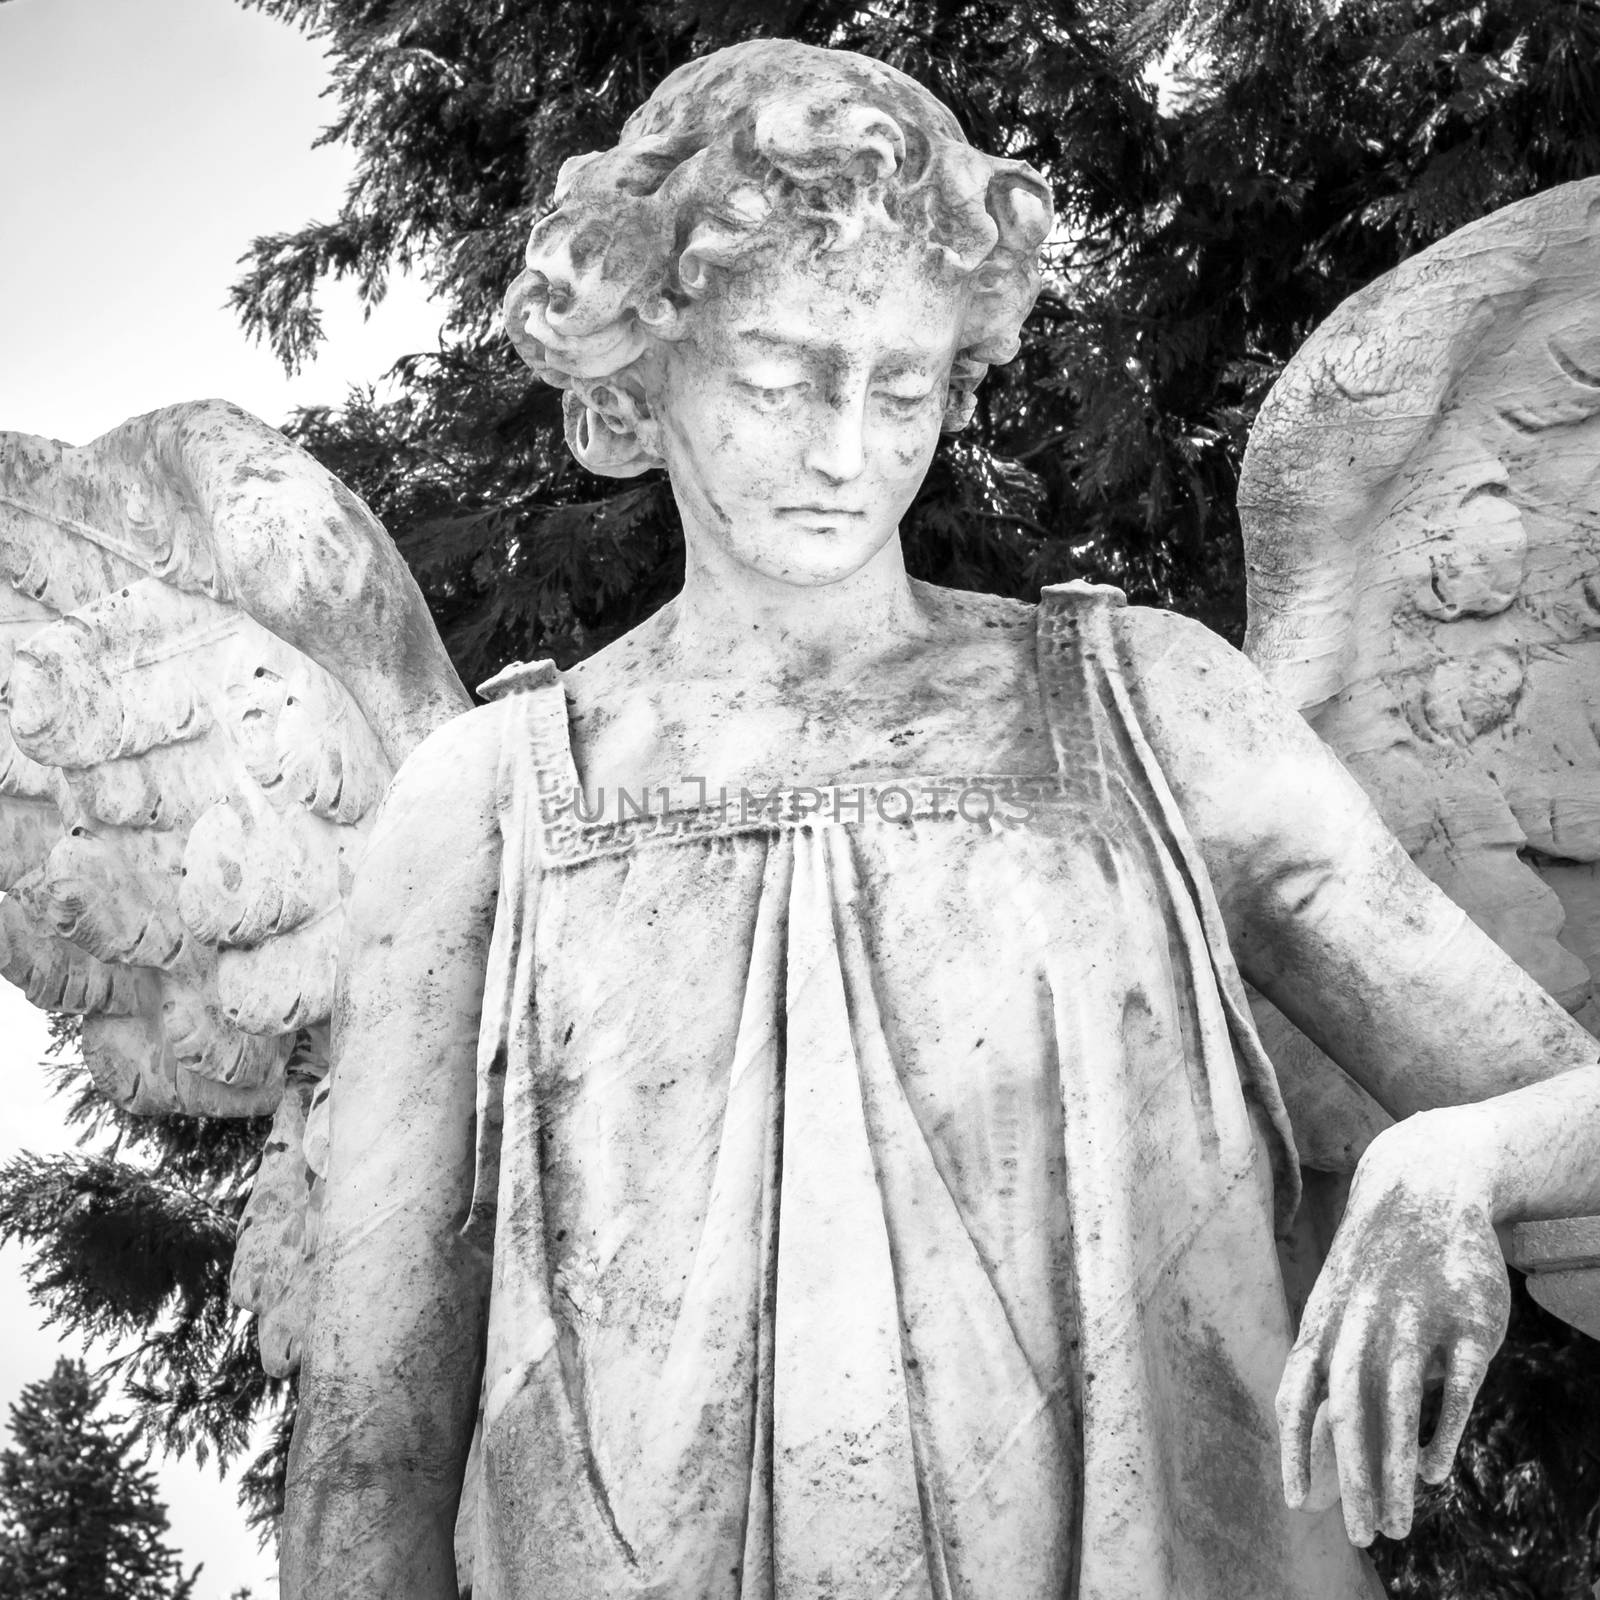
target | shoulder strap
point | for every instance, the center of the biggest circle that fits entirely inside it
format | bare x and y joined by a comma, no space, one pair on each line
1073,637
542,757
535,786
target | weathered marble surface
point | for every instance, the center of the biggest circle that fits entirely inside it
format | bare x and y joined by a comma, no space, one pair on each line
1421,509
794,394
213,659
828,1199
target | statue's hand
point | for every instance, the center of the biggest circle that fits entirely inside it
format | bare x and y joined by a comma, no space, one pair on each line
1415,1279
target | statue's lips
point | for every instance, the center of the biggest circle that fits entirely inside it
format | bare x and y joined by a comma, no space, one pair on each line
819,513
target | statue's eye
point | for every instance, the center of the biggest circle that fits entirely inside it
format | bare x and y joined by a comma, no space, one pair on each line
772,398
901,402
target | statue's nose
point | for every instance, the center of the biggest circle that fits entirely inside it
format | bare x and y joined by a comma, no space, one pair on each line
835,450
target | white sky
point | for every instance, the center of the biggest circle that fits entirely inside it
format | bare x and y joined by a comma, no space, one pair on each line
145,143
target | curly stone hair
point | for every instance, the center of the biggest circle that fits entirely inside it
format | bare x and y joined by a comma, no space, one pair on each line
727,160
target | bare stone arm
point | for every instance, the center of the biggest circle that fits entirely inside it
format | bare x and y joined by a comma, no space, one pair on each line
1495,1082
1325,912
391,1382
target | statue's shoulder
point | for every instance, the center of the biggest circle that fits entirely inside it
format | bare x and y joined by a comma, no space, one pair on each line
601,682
967,616
1199,699
1155,650
455,769
433,853
1166,643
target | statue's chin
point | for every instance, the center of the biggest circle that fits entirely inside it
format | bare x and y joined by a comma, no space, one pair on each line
811,553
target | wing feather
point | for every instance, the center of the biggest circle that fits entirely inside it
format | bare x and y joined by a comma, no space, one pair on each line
119,910
251,873
1421,511
285,983
269,1274
57,976
212,659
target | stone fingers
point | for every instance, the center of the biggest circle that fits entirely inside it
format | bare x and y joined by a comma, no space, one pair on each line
1370,1363
1349,1416
1467,1362
1298,1394
1402,1406
1374,1399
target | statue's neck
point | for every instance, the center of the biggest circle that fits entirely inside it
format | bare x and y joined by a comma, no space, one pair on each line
734,621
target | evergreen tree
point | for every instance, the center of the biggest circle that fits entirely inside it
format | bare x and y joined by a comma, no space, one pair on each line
129,1245
1298,151
80,1520
460,116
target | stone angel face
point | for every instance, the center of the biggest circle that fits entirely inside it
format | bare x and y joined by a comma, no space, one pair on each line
797,419
784,302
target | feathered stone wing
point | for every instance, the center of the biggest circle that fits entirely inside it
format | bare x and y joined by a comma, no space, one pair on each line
1421,512
213,659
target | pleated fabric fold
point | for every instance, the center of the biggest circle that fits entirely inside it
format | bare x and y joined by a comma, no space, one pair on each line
883,1212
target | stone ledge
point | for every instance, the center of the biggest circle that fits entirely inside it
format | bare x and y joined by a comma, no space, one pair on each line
1562,1260
1561,1245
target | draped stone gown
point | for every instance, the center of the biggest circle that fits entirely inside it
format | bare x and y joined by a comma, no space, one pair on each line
883,1185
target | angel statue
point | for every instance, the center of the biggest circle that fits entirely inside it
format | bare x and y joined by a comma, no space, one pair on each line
796,1124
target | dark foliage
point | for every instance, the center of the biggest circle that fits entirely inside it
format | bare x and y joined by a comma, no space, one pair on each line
1301,151
79,1519
129,1245
461,116
1297,151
